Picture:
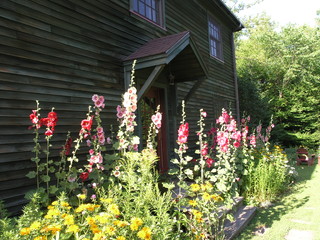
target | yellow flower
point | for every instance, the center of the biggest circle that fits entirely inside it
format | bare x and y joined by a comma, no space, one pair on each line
103,217
25,231
54,203
193,203
110,230
195,187
98,236
52,228
73,228
81,196
114,209
197,215
206,196
90,220
119,223
120,238
144,233
64,204
52,212
216,198
35,225
68,219
106,200
40,238
135,223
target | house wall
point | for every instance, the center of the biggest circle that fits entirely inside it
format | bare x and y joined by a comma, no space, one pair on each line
61,52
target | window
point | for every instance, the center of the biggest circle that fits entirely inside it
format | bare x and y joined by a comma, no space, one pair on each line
150,9
215,40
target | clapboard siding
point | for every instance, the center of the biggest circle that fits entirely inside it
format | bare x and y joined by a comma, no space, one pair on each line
61,52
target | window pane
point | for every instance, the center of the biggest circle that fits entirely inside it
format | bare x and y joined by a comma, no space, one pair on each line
153,3
135,5
142,8
148,12
148,2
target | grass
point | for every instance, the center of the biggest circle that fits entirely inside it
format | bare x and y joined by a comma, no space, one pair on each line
298,209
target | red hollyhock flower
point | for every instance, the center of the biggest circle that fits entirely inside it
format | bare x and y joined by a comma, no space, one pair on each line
86,124
84,176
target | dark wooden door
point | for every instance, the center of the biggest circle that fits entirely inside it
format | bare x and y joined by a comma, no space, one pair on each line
148,104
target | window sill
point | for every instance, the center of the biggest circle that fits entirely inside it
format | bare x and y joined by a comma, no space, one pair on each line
139,17
217,59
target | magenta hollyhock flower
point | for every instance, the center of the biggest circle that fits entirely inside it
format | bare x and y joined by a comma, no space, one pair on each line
209,162
236,144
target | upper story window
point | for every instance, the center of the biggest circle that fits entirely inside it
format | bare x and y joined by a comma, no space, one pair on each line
150,9
215,43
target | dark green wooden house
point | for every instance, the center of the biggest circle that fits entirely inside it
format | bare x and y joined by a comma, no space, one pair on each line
61,52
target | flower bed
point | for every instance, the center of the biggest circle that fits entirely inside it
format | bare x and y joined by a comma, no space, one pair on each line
117,195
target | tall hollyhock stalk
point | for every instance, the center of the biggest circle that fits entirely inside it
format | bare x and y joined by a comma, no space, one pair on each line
126,117
35,119
83,133
154,129
203,144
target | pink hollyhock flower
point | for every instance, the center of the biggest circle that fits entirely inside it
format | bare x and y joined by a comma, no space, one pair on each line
156,119
100,129
95,98
224,148
226,117
203,114
91,151
109,141
236,136
253,140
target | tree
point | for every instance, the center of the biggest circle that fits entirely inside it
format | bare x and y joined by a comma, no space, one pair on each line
284,64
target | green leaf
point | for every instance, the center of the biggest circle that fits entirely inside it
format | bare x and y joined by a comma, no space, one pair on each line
53,189
175,161
45,178
173,171
169,186
31,174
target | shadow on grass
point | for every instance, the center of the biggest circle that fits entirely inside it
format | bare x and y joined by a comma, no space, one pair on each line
266,217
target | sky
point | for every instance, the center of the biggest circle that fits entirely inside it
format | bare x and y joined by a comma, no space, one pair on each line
287,11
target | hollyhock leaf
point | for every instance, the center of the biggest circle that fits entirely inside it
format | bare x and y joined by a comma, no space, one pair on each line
169,186
173,171
45,178
53,189
196,168
31,174
188,172
175,161
188,158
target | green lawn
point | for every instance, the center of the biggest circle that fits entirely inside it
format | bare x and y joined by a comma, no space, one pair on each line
299,209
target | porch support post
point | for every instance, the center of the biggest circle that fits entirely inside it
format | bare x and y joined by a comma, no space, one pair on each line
153,76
